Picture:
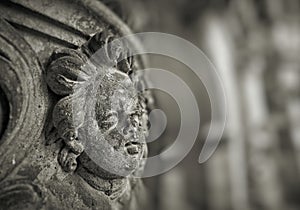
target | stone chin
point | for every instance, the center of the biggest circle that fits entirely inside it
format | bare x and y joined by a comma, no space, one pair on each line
115,170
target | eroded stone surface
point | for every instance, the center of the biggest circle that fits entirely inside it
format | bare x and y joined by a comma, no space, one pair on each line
78,143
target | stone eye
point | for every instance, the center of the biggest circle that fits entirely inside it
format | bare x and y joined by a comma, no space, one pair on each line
110,122
135,120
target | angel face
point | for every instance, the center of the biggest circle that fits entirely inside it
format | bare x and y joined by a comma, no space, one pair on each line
100,117
117,147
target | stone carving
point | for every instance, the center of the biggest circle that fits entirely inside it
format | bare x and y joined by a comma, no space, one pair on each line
21,194
80,142
115,114
23,104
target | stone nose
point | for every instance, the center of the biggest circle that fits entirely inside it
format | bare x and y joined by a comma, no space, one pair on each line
129,131
130,127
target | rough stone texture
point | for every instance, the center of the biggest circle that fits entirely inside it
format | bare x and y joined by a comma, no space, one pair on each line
55,115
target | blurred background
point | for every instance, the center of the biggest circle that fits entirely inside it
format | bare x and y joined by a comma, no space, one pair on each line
255,46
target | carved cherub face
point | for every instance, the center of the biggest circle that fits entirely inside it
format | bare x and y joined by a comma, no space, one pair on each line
116,137
101,117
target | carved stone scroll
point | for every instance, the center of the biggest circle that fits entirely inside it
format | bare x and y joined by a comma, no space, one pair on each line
24,104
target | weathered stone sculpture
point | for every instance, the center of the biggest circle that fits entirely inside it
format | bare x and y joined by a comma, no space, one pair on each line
72,131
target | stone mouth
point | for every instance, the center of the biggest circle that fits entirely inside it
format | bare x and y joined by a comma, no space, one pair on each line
133,147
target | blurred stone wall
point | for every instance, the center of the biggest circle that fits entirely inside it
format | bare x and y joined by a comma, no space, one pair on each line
255,46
